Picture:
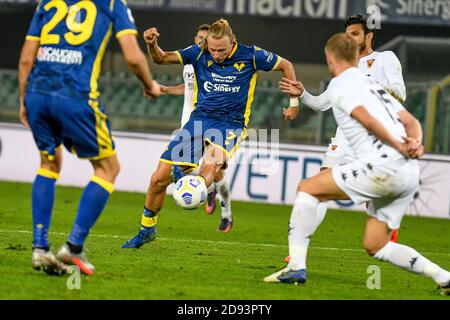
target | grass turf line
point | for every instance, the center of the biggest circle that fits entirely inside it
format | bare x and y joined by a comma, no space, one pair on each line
191,260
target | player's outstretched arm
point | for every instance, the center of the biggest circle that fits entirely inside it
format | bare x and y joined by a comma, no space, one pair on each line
296,88
376,128
158,55
177,90
288,70
138,65
26,63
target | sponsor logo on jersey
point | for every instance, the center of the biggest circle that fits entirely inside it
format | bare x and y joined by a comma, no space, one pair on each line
370,63
189,75
220,87
269,56
64,56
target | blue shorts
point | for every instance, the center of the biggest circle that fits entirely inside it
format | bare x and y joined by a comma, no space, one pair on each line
188,146
81,125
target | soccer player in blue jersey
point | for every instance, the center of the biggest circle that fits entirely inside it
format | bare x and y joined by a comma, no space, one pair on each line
59,100
225,80
222,188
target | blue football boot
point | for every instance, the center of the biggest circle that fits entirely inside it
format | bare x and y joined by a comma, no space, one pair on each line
145,235
287,275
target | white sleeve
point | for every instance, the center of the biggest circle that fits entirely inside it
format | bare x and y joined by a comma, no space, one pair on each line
393,73
397,106
316,103
344,97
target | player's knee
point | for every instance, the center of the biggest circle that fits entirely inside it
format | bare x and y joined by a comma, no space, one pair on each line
54,166
372,247
115,169
51,167
305,186
108,168
219,176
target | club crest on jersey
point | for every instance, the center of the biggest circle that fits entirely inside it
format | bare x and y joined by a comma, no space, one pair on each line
370,63
239,66
209,63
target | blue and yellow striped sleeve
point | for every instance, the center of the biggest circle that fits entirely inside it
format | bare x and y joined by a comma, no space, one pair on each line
189,55
34,30
265,60
123,20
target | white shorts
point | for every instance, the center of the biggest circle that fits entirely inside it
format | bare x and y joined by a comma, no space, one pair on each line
339,152
389,188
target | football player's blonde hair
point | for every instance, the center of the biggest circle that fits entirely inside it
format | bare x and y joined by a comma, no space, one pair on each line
219,29
343,47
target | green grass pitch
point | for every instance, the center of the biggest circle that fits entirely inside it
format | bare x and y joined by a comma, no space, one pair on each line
191,260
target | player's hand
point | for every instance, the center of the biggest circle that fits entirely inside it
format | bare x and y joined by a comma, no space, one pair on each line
414,147
151,36
293,88
153,92
23,115
418,153
291,113
403,148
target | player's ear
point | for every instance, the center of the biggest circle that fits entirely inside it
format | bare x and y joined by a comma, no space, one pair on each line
369,38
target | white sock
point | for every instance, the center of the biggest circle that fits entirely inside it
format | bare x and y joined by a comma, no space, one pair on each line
224,192
301,227
409,259
321,212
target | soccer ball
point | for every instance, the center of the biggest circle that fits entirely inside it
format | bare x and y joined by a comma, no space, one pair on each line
190,192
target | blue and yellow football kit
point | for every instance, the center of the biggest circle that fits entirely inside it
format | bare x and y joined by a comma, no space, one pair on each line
223,96
62,98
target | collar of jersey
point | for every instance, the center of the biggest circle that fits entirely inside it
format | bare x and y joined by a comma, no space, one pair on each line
233,51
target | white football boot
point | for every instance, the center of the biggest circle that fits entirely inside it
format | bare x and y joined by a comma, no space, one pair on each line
46,261
80,260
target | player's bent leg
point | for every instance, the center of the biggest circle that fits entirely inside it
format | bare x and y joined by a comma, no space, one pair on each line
226,217
323,187
377,244
213,161
303,219
302,224
43,197
92,203
376,236
210,205
154,201
156,192
320,215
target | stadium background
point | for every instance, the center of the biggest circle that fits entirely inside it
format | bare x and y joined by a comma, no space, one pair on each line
419,37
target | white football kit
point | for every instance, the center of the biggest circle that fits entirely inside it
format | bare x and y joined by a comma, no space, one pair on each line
381,67
188,78
377,174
